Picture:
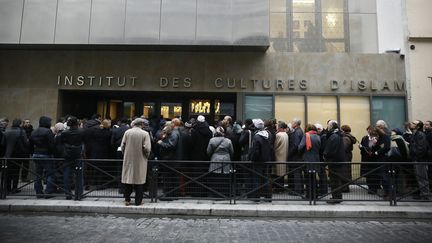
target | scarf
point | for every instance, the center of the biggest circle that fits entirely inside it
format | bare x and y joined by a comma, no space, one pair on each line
308,140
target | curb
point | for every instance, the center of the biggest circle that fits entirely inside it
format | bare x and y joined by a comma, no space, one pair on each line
219,210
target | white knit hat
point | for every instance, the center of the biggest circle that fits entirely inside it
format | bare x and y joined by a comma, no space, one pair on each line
201,118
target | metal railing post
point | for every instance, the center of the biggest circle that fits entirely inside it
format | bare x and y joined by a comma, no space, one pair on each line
153,184
3,171
233,184
393,185
79,182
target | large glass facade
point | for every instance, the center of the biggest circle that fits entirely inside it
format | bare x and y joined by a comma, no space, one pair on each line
389,109
258,107
323,26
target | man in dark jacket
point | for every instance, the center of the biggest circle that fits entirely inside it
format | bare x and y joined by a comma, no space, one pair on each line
3,125
428,131
260,152
42,147
295,172
16,142
349,141
171,148
72,140
334,152
419,148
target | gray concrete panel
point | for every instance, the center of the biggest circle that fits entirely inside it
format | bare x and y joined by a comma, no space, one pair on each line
39,22
10,20
142,21
178,22
73,22
107,22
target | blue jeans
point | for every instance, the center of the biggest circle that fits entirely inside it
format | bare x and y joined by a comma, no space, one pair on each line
76,167
48,167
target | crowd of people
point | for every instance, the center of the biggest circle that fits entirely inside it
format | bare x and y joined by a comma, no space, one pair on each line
139,140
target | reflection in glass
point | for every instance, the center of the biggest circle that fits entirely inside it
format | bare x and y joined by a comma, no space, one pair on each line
200,107
129,109
114,108
333,26
102,107
333,6
278,6
148,110
278,27
171,110
304,6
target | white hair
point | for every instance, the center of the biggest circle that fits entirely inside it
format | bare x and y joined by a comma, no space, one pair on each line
319,126
381,123
297,121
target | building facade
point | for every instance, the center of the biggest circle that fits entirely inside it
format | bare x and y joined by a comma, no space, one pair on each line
310,59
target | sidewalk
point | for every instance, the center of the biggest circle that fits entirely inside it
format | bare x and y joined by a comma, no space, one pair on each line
222,208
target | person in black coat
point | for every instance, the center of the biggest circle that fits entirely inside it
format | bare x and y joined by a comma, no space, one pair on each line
295,180
334,152
72,141
42,147
16,142
260,152
419,151
384,142
368,148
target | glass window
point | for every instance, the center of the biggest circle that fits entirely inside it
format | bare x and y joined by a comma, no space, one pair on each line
199,107
278,27
129,109
354,111
332,6
102,108
363,6
289,107
73,18
363,33
114,109
333,26
258,107
303,6
278,5
321,109
171,110
148,110
389,109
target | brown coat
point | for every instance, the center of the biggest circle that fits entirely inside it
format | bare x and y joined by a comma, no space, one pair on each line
136,147
281,152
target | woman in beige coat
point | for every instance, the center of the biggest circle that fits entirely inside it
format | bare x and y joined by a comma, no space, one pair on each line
136,147
281,153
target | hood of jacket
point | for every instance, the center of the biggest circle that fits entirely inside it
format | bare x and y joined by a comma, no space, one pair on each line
45,122
264,134
351,137
203,129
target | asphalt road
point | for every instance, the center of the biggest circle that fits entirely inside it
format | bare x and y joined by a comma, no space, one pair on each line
113,228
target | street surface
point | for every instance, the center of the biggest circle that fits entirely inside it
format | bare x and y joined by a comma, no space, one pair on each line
37,227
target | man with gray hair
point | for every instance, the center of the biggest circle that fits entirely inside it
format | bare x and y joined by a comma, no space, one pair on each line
334,152
295,181
136,147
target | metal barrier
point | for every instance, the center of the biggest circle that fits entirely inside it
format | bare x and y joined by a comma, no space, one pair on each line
230,181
